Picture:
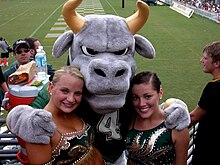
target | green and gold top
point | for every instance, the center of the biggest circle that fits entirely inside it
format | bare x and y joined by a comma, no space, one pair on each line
150,147
75,148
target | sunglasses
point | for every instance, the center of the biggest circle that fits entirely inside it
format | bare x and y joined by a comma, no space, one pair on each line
22,51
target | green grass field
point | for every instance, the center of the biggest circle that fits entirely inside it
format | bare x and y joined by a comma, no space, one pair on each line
178,40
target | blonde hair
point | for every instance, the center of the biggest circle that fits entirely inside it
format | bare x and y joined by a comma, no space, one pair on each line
71,70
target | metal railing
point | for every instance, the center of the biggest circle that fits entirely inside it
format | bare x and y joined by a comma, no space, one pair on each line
192,133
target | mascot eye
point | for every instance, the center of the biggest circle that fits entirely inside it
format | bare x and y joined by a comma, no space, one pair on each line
121,52
88,51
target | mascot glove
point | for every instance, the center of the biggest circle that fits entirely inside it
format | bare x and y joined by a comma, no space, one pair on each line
32,125
177,115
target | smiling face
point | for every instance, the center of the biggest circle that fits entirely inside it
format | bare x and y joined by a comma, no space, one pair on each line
66,95
208,66
145,94
210,60
65,90
145,99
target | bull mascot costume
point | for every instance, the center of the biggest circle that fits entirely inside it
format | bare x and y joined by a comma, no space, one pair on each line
103,48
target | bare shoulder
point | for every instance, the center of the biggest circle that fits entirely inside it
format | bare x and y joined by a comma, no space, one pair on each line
180,134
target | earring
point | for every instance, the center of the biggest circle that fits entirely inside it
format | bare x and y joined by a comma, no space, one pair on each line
50,94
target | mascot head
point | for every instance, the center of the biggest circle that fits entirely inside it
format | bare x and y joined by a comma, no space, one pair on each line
103,48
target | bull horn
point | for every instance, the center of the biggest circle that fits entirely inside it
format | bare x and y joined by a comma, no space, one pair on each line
74,20
136,21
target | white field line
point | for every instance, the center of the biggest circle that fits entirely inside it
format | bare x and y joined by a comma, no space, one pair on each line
35,31
14,18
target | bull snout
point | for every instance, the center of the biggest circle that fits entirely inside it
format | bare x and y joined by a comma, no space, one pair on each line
113,77
107,83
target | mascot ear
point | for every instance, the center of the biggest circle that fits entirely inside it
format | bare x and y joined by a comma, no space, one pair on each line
62,44
144,47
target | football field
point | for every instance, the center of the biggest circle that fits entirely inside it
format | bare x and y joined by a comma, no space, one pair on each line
178,40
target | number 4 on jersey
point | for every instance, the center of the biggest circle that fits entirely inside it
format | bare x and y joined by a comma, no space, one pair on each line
109,125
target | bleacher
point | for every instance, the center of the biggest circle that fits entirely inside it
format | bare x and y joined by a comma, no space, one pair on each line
9,145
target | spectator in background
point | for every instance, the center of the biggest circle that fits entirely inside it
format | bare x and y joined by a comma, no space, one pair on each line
4,89
148,140
34,44
3,85
207,112
21,52
24,51
5,50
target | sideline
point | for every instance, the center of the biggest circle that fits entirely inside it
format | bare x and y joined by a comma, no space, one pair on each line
182,9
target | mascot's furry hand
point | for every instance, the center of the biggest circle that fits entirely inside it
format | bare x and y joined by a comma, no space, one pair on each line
32,125
177,114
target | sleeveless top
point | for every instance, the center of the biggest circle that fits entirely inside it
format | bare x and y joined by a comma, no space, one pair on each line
75,147
150,147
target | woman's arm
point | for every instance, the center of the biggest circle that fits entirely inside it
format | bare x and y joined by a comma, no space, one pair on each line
38,154
42,153
181,143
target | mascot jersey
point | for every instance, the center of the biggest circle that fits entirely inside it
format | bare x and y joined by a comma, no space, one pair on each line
110,131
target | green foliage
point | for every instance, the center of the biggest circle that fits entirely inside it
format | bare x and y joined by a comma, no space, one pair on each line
178,40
